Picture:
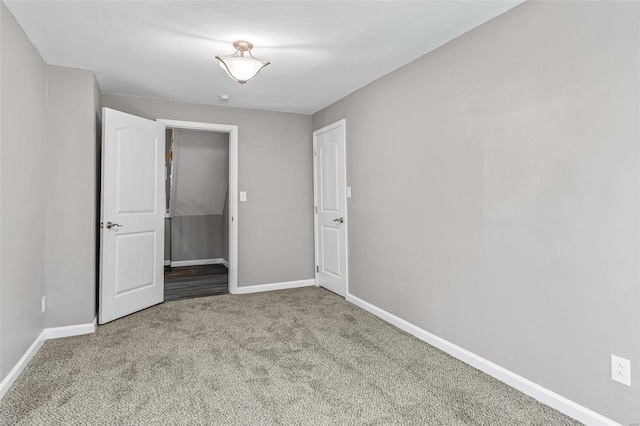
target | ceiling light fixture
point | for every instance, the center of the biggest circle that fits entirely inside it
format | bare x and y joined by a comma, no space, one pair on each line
242,66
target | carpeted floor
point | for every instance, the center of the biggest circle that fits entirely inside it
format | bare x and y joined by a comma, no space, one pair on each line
295,357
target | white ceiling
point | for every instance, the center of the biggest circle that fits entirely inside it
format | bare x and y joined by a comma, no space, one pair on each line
319,51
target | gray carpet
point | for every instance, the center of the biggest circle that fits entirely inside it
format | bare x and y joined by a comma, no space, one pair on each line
295,357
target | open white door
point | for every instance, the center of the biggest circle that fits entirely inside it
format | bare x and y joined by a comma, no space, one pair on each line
132,216
329,179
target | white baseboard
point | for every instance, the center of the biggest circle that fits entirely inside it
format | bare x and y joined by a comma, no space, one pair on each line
71,330
5,385
274,286
225,262
197,262
167,263
46,334
526,386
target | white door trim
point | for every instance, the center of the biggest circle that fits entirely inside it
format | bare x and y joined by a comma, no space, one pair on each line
233,185
331,126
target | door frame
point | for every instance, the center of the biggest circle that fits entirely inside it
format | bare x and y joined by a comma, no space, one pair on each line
232,131
341,123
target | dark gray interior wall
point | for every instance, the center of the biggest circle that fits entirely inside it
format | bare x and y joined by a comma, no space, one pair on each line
167,239
71,199
97,105
197,237
496,198
275,168
167,222
168,138
2,374
23,94
225,227
200,172
200,181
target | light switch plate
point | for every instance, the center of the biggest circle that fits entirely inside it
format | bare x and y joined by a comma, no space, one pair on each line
243,195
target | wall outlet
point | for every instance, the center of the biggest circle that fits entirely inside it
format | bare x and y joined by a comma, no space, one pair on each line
620,370
44,303
243,195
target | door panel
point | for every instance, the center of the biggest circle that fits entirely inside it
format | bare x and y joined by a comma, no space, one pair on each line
134,262
331,208
132,215
328,159
331,251
135,171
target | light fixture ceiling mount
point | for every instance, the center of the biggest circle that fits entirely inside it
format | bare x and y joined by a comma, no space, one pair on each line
242,66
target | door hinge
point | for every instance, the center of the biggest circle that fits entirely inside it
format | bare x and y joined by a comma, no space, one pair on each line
315,209
315,152
317,269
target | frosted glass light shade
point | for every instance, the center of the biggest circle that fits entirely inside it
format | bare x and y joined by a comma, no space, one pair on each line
242,66
242,69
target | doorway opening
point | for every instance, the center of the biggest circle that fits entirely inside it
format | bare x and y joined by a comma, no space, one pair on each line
201,219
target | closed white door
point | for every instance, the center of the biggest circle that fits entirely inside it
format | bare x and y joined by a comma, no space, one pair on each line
132,216
330,207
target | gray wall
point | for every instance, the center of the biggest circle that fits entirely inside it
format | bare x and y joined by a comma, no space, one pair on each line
22,139
275,168
167,239
197,237
2,8
168,137
71,203
496,198
225,227
97,104
200,172
167,187
200,181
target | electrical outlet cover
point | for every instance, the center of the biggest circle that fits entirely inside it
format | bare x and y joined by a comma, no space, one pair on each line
620,370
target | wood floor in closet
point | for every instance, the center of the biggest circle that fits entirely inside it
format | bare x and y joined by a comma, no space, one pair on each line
187,282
